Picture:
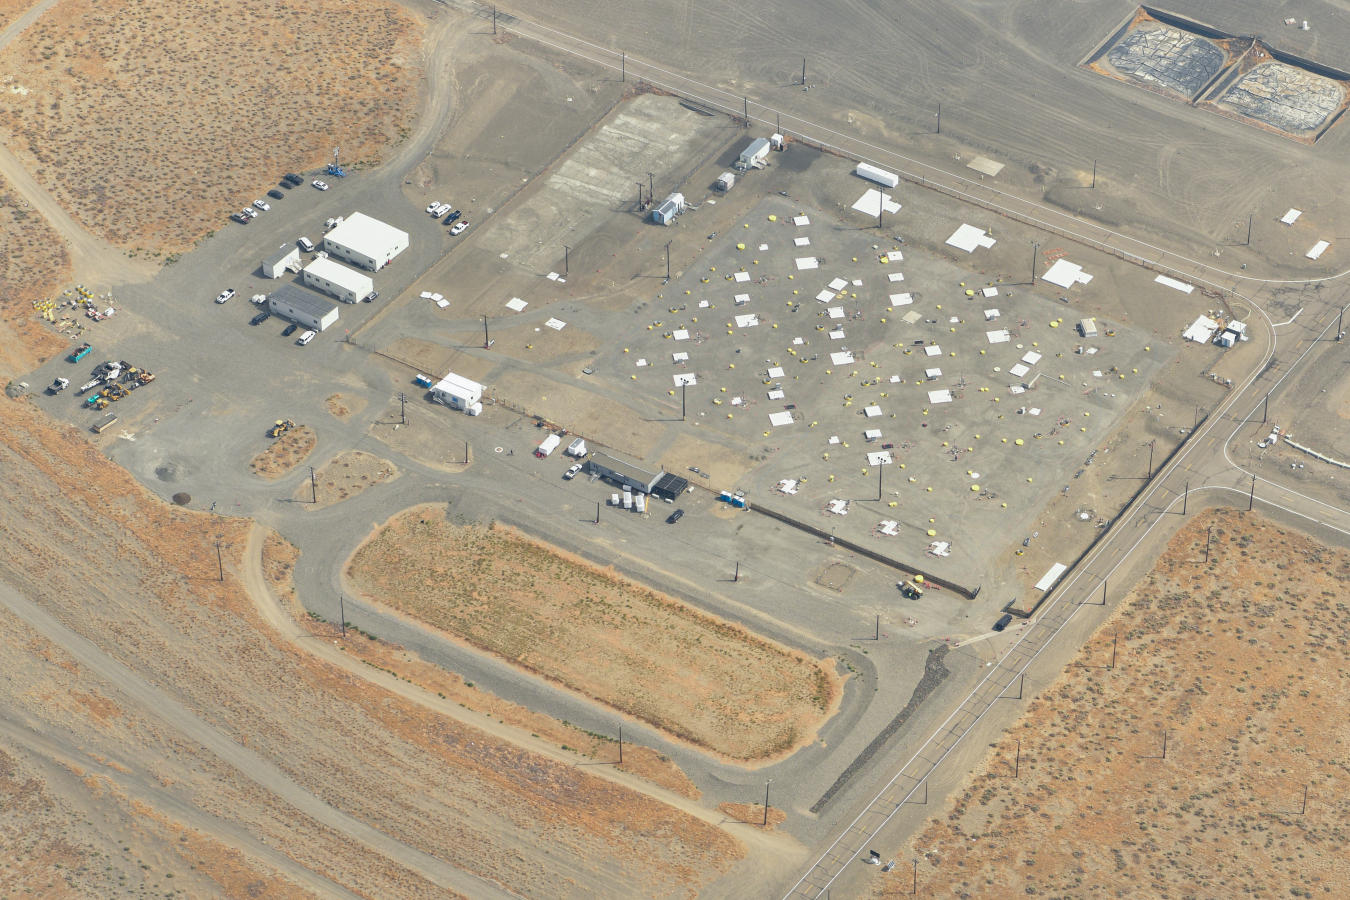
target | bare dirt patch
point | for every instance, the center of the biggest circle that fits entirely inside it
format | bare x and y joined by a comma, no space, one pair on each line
286,452
105,99
343,407
347,475
625,430
753,814
702,680
1241,663
34,262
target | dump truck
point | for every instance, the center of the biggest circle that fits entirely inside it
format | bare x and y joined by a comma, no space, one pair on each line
281,427
59,385
79,353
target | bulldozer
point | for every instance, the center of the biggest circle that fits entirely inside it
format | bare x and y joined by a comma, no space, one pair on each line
281,427
116,392
98,402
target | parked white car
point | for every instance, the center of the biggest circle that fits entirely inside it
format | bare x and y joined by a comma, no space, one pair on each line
432,207
572,472
305,338
262,204
250,212
306,244
225,295
320,185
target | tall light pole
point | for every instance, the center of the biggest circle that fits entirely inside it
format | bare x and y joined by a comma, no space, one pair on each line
313,488
567,257
766,801
487,344
668,243
219,563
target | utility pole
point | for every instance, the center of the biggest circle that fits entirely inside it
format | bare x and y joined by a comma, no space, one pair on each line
597,513
746,101
1114,639
1150,458
803,71
878,637
1209,536
1017,764
651,187
494,20
342,614
466,453
915,891
313,489
737,577
1094,174
766,801
1249,229
219,563
639,184
880,470
1251,498
620,745
624,69
567,256
487,344
1035,249
939,118
668,243
1265,407
402,414
1340,317
683,388
1185,497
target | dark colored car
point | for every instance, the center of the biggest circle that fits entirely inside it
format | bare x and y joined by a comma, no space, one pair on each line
674,517
452,217
276,194
260,318
241,218
295,179
290,330
1003,623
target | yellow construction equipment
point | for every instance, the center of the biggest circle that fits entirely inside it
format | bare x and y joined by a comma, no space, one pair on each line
281,427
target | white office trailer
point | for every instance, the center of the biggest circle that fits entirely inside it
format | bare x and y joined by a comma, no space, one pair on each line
302,307
753,157
365,242
670,207
275,265
725,181
460,393
348,285
880,176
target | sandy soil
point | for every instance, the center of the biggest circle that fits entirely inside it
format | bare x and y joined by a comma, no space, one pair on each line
753,814
714,685
34,264
287,452
347,475
152,122
344,407
625,430
136,578
1240,663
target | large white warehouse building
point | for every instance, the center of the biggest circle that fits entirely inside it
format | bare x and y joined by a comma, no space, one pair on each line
366,242
346,284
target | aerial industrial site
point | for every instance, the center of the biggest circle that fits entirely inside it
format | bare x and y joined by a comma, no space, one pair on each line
567,450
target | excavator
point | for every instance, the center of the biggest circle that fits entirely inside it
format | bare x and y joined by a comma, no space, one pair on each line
281,427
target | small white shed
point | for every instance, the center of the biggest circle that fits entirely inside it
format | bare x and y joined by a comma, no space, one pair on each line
275,265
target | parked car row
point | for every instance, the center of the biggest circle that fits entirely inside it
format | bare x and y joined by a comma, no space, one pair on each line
290,180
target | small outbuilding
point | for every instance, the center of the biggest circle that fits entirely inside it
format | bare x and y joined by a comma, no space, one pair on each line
625,474
458,392
302,307
670,207
753,157
346,284
275,265
365,242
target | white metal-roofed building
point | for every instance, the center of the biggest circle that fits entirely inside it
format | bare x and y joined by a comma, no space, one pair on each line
458,392
670,207
302,307
275,265
366,242
346,284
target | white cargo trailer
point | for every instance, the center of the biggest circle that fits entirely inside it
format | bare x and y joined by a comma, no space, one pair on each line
880,176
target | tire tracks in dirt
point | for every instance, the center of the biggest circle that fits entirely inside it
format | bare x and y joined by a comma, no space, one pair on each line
151,701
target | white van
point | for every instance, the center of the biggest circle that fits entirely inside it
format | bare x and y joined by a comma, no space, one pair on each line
306,244
305,338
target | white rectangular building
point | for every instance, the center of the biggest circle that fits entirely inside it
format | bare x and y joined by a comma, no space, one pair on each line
458,392
365,242
670,207
275,265
302,307
880,176
346,284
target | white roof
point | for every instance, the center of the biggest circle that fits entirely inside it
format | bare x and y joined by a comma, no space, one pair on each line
458,384
1050,577
1292,216
338,274
1317,249
901,299
879,458
368,236
1173,283
874,201
1066,274
939,396
968,237
1201,330
780,418
841,359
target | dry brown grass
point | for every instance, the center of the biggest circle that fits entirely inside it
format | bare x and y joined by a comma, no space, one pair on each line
34,264
152,121
753,814
1243,663
285,453
700,679
347,475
